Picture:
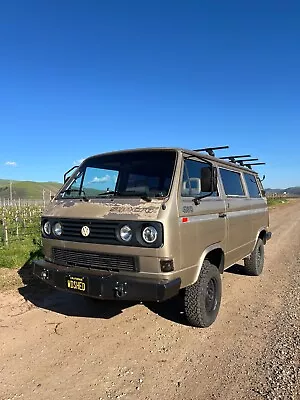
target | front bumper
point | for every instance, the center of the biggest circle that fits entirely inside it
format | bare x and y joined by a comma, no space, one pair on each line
105,285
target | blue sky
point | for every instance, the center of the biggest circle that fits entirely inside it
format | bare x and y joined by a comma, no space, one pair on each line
85,77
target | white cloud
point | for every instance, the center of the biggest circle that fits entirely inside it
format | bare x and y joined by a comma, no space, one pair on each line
78,162
11,163
105,178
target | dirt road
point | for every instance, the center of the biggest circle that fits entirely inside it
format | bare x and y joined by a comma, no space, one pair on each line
56,346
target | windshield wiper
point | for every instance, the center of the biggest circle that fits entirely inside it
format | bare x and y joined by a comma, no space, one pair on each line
110,192
143,196
146,198
84,197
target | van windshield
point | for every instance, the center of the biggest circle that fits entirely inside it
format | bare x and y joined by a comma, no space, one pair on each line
145,174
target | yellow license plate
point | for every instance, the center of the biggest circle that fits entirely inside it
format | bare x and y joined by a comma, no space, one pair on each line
76,283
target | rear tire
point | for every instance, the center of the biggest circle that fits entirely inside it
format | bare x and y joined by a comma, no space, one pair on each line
254,264
202,300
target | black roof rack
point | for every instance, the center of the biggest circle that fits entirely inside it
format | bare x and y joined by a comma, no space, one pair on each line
242,162
210,150
233,158
258,163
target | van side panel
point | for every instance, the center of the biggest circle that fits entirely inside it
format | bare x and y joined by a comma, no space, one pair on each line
240,238
200,227
259,207
260,216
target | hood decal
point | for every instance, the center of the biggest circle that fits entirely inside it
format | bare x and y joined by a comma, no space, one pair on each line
136,209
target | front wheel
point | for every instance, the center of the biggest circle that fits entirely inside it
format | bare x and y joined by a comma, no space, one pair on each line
254,264
202,300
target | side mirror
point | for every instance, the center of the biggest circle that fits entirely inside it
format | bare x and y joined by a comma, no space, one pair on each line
208,179
66,176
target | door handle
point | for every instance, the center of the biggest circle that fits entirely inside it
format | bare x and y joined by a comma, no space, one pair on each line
222,215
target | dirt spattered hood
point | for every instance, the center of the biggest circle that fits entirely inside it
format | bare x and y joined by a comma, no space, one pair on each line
133,209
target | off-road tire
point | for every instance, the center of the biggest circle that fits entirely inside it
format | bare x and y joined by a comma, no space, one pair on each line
254,264
202,299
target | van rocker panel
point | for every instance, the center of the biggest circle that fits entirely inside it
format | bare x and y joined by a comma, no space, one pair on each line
108,286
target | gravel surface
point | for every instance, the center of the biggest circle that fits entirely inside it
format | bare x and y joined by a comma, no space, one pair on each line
57,345
281,358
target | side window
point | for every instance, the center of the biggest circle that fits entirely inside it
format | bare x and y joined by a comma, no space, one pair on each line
191,181
232,183
252,185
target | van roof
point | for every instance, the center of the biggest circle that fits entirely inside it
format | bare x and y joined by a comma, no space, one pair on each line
182,150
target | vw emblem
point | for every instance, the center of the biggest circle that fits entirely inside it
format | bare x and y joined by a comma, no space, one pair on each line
85,231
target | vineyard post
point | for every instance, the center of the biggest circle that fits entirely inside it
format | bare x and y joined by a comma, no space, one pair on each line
17,227
5,233
10,192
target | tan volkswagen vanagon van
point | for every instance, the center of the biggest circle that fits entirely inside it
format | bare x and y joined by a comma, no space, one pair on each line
146,224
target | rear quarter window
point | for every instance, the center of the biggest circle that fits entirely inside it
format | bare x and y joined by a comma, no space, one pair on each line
232,182
252,185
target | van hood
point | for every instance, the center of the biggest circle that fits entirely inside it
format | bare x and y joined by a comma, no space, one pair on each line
116,209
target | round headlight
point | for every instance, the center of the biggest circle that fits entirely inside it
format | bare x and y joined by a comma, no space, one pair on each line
57,229
47,228
126,233
149,234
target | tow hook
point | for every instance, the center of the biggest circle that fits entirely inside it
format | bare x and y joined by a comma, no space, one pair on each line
120,289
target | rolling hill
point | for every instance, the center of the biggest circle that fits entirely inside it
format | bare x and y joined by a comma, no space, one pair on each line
292,191
27,189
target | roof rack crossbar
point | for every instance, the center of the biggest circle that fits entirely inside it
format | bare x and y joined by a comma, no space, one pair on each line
248,159
242,162
256,164
210,150
234,157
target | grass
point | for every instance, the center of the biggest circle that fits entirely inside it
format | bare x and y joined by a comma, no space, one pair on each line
16,257
21,226
276,201
19,253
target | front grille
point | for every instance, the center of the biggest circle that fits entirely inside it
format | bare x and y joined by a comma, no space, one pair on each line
111,262
100,232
